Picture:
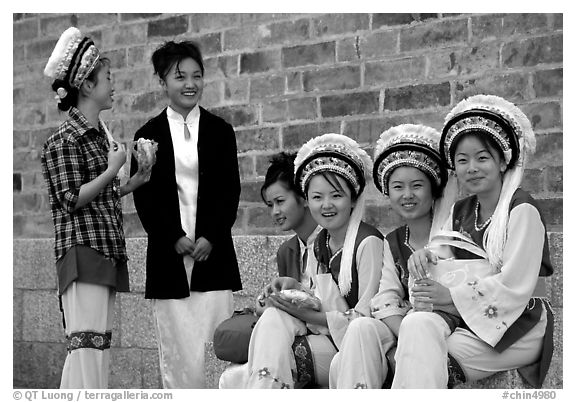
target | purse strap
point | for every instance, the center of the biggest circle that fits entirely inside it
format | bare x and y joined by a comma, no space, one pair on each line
446,238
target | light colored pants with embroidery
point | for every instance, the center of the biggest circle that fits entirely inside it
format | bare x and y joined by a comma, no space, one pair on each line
361,361
87,307
425,341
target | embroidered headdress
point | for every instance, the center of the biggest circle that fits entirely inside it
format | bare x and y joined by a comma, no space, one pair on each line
415,145
341,155
509,127
72,60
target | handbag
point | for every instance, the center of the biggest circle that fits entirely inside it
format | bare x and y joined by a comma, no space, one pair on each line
232,336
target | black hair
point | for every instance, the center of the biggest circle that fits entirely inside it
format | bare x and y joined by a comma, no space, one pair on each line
71,99
485,139
172,53
281,170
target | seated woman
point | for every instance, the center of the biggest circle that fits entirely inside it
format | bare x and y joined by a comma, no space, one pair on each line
409,171
486,140
332,171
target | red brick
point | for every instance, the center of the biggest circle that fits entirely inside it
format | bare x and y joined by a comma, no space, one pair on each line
316,54
30,114
33,226
236,90
464,61
554,179
294,82
17,182
137,16
267,86
548,83
294,136
39,137
533,181
258,139
34,182
86,21
391,19
31,72
558,22
348,49
544,115
147,102
513,87
20,139
379,44
25,30
246,166
347,77
486,26
549,150
139,55
213,94
245,37
552,210
417,96
241,115
302,109
209,44
55,25
18,96
129,35
259,216
255,18
533,51
531,23
213,21
285,32
408,69
168,26
251,191
349,104
134,80
433,35
275,111
220,67
259,62
333,24
18,54
40,50
117,58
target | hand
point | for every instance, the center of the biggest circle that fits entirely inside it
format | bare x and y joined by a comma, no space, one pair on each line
418,262
142,175
279,284
184,246
202,249
303,313
116,156
427,290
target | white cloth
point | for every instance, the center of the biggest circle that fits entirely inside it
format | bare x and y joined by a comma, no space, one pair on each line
425,341
361,361
185,325
87,307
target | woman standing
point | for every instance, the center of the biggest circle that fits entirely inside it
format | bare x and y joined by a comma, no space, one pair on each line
508,325
188,209
80,163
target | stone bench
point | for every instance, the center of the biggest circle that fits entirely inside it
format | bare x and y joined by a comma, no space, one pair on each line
38,337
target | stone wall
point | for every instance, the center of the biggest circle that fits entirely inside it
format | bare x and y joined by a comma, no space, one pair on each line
280,79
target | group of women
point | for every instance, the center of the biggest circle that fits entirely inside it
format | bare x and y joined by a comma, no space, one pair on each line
384,320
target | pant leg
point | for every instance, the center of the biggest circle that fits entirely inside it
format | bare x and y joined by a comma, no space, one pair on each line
89,312
479,360
271,361
361,361
422,352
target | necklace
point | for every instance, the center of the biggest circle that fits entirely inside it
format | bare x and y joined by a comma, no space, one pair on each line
330,255
486,223
406,237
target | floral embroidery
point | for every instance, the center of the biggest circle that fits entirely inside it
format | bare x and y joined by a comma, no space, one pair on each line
265,373
300,351
303,358
360,386
491,311
89,340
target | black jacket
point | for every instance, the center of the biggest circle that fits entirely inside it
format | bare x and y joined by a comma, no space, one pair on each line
218,196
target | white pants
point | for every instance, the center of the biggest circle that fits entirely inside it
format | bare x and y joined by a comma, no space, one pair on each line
425,341
183,328
361,361
88,308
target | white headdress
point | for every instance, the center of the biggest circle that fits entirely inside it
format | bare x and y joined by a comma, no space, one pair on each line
512,131
341,155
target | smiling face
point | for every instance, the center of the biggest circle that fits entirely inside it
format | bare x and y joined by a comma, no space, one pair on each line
184,84
102,87
478,166
330,203
286,208
410,192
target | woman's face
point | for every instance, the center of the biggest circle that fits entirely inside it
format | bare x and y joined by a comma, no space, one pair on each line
331,208
286,208
410,192
184,84
104,89
478,167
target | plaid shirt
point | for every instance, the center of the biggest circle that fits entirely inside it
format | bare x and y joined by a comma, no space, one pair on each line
76,154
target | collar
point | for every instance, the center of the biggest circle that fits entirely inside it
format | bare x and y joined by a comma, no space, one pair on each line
192,116
311,239
81,122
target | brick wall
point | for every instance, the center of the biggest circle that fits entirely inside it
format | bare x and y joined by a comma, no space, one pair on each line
282,79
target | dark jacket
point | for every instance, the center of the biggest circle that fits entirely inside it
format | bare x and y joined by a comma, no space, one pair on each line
288,258
218,196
